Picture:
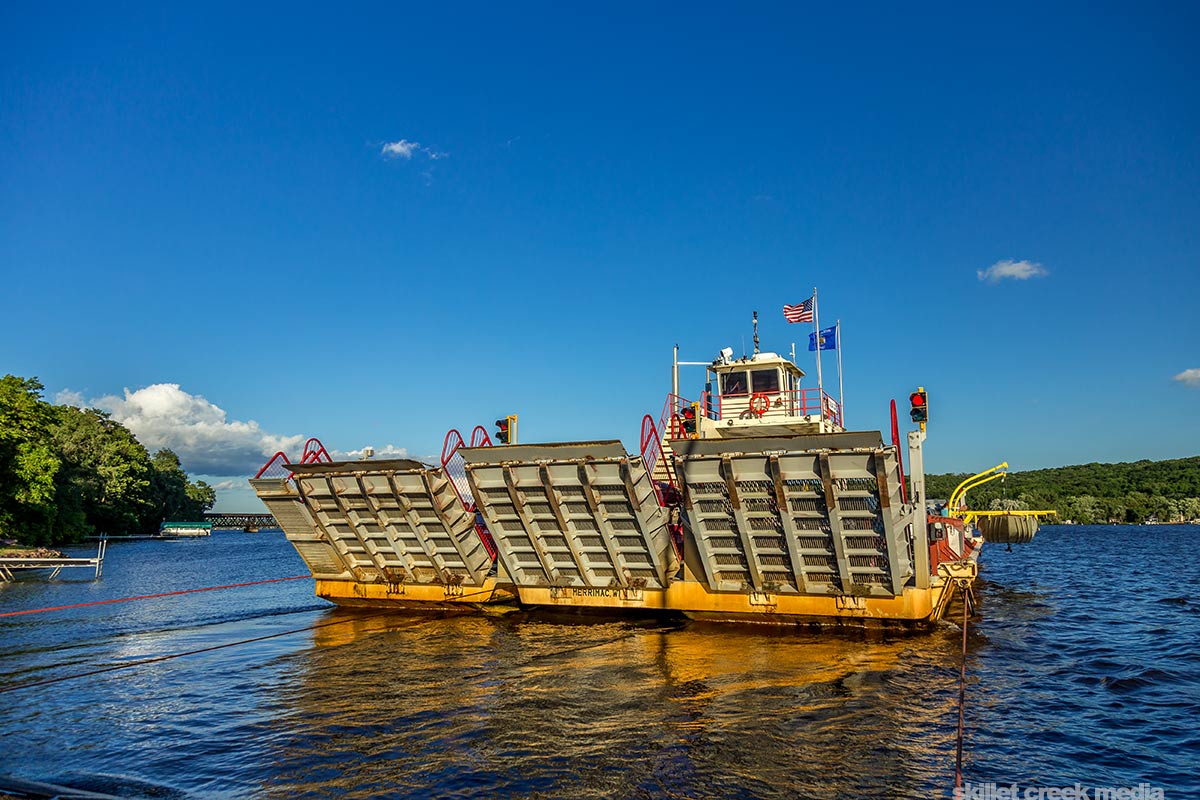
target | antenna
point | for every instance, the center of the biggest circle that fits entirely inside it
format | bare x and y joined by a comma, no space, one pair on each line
755,333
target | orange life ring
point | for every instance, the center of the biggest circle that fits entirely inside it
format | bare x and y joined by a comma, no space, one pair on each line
759,404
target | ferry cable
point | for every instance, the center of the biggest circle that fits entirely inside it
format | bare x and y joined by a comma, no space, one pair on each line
170,656
968,602
150,596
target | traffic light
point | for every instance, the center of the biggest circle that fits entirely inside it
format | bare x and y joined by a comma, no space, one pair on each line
919,400
689,419
506,429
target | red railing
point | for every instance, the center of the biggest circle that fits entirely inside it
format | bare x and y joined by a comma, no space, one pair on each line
671,420
781,404
315,452
652,451
456,470
480,438
279,464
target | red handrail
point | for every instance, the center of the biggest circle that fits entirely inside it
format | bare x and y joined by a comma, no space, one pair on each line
651,444
798,402
314,452
480,438
448,449
271,462
456,470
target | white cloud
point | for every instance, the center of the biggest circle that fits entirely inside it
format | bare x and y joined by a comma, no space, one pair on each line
1189,377
1009,269
400,149
200,433
69,398
387,451
225,486
406,150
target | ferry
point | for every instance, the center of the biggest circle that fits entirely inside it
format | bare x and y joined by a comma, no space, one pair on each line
750,503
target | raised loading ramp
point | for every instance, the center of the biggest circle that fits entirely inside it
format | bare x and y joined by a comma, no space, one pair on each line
393,521
282,499
580,514
817,514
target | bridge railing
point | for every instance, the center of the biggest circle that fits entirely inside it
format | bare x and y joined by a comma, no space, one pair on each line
241,520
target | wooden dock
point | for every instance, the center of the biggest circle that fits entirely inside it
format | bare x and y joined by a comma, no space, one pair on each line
9,565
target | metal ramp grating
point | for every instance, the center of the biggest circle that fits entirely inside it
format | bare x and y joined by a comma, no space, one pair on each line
583,515
282,499
795,515
394,521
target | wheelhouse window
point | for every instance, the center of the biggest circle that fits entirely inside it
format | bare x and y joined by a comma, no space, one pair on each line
733,383
765,380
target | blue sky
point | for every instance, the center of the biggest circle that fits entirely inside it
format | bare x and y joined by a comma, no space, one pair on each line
203,196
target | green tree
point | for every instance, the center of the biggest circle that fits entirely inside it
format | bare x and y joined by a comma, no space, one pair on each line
202,495
1084,509
110,471
173,495
28,465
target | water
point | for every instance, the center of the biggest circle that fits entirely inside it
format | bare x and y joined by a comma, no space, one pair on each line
1082,668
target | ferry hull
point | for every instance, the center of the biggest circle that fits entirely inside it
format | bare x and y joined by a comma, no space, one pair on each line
414,597
912,609
805,531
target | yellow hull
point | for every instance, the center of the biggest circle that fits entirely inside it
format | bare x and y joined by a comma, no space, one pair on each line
912,608
415,597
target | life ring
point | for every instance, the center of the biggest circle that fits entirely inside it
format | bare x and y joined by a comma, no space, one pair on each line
759,404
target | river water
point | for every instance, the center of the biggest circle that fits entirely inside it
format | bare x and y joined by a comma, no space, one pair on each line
1082,668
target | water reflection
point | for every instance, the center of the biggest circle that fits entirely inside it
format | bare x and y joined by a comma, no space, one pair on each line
525,708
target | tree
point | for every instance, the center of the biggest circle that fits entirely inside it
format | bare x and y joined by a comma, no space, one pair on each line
173,495
109,470
28,465
202,496
66,473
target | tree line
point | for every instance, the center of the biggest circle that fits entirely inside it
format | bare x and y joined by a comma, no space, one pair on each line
67,473
1133,492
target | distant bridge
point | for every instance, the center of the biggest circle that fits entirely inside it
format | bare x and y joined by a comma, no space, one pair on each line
241,521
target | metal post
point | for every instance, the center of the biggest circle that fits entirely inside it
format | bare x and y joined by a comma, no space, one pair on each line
916,466
817,336
837,339
675,377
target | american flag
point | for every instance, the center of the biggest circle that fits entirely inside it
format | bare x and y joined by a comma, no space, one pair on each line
800,313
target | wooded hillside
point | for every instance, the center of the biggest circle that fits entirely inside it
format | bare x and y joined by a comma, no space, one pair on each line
1137,491
67,472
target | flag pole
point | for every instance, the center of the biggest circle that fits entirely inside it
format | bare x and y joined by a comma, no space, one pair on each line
817,332
837,339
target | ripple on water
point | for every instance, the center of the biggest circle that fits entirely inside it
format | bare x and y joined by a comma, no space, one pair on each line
1081,669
